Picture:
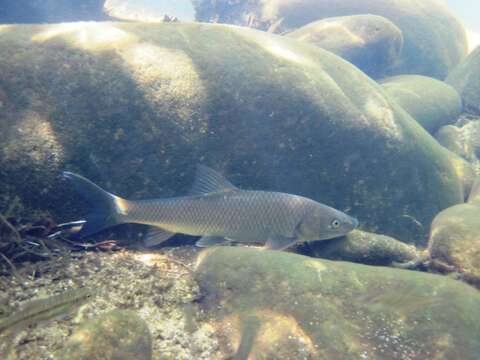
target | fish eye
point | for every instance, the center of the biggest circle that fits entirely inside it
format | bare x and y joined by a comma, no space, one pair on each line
335,223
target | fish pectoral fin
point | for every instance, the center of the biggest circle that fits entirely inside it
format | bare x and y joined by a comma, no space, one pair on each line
155,236
209,181
206,241
279,242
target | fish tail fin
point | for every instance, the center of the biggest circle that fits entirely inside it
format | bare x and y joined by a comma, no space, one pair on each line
108,209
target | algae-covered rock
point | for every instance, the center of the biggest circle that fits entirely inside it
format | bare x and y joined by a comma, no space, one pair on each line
463,138
466,79
116,335
365,248
455,238
337,310
455,241
434,39
370,42
134,107
452,138
466,171
431,102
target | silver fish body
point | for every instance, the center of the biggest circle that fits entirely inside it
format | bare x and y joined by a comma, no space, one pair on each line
220,213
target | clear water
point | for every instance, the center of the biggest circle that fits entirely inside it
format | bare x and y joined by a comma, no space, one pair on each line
360,121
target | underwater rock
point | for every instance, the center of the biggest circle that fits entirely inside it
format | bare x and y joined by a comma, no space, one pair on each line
434,39
34,11
462,138
370,42
336,310
466,79
455,239
135,106
465,170
431,102
116,335
365,248
451,137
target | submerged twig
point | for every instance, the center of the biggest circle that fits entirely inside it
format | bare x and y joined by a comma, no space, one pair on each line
12,267
11,228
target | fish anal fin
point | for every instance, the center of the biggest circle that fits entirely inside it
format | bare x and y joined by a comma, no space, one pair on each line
206,241
155,236
279,242
208,181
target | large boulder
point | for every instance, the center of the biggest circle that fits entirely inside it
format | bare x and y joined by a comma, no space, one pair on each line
455,239
431,102
434,39
286,306
370,42
365,248
116,335
463,138
466,79
136,106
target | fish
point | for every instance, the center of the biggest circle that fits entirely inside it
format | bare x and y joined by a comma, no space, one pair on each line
217,211
45,309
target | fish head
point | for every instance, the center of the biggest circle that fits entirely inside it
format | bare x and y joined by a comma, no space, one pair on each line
321,222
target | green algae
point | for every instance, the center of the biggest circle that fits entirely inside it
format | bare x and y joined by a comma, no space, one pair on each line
346,310
116,335
431,102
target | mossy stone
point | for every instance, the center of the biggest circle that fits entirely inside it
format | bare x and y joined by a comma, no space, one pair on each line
338,310
116,335
370,42
431,102
455,240
466,79
135,106
365,248
435,40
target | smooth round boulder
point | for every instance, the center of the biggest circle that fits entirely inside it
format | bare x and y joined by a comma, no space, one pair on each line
455,240
370,42
431,102
463,138
466,79
116,335
465,170
323,309
364,248
135,107
434,39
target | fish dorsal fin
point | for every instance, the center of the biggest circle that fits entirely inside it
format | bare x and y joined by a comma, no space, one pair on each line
209,181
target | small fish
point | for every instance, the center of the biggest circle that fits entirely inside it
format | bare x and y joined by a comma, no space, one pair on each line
219,212
45,309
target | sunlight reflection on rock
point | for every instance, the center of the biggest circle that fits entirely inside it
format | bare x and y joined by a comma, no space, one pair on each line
167,77
36,139
86,35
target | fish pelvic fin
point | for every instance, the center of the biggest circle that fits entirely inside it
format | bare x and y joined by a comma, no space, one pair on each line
156,236
279,242
108,210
